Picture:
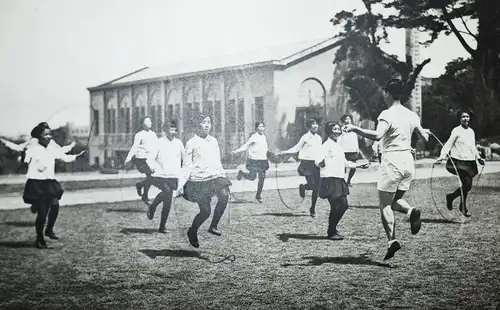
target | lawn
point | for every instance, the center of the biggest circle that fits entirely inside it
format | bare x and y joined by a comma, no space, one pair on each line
111,256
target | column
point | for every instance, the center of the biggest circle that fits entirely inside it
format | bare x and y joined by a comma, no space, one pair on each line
162,102
222,89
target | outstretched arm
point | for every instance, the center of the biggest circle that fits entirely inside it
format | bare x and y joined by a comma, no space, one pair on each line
296,148
69,147
245,146
376,134
15,147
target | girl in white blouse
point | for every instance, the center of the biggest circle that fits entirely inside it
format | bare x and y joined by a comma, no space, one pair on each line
308,147
332,161
42,190
142,154
462,151
167,171
205,177
257,163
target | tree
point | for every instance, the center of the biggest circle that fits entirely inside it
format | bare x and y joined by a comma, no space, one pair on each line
369,67
450,93
437,17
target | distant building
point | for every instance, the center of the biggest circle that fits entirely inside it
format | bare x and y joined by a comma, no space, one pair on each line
280,86
79,134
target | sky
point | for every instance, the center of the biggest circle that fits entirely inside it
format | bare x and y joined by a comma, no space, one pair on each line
52,50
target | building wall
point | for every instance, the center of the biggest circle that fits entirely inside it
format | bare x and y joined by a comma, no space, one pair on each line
291,90
155,99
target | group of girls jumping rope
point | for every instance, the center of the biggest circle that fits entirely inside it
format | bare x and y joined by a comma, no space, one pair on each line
195,171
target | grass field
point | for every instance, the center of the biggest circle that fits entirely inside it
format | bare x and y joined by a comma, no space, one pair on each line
111,257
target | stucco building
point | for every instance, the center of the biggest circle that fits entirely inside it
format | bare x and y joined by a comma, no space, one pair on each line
280,86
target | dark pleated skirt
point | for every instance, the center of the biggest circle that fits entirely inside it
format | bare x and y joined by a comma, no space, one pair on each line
165,184
257,166
307,168
142,166
463,166
197,191
41,191
332,188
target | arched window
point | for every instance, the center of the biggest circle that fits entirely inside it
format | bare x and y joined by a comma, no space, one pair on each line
311,93
124,114
212,107
191,109
139,111
156,111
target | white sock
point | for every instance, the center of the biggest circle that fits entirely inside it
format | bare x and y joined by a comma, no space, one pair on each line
392,241
409,211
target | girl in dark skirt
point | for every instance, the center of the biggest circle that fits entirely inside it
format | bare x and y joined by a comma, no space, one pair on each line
333,187
461,148
42,190
257,162
205,178
167,171
308,147
142,155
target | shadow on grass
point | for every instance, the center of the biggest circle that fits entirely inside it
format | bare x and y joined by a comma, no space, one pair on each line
127,210
19,223
343,260
286,237
240,201
440,221
485,189
172,253
17,244
285,214
128,231
365,207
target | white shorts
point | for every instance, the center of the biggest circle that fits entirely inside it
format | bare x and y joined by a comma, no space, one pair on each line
396,171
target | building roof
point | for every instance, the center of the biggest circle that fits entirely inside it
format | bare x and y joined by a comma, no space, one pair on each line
283,55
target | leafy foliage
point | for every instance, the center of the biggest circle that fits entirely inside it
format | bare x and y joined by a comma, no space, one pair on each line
369,66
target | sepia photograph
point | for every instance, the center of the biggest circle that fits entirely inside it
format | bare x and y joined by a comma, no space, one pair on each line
189,154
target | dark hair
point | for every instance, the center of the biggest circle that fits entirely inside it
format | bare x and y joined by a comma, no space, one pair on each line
144,118
39,129
199,118
311,121
342,119
257,124
394,87
462,111
329,129
170,124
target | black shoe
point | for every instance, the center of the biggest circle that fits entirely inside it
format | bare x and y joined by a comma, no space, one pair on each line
393,248
415,221
150,214
464,211
51,235
214,231
302,191
145,200
312,212
162,230
259,200
193,238
33,209
449,202
349,184
240,175
40,244
138,187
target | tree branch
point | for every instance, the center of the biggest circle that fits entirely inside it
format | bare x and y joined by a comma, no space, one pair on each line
467,28
455,31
